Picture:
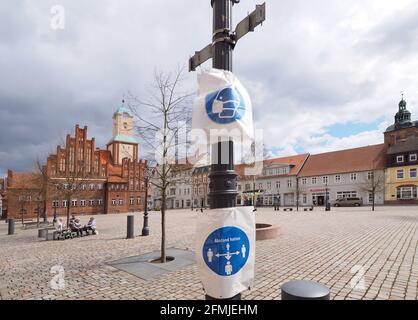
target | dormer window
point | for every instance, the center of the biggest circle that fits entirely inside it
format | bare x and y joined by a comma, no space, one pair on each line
413,157
400,159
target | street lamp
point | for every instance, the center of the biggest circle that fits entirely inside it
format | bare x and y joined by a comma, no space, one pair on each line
145,228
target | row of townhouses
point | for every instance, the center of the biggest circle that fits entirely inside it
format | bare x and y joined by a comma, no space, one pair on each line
113,178
384,173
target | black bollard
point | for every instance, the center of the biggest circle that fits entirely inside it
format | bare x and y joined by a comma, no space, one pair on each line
130,230
304,290
11,223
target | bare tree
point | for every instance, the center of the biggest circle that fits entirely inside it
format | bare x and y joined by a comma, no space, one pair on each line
24,198
70,185
42,183
160,121
373,184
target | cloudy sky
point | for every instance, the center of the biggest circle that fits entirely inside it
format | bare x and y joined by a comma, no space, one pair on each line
323,74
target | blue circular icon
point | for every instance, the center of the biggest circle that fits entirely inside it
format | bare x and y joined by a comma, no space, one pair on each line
226,251
225,106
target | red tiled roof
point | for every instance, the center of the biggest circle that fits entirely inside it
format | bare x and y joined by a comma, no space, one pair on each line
295,162
345,161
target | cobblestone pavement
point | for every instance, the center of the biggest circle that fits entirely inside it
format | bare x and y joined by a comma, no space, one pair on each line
356,253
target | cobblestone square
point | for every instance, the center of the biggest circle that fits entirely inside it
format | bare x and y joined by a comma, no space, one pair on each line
357,253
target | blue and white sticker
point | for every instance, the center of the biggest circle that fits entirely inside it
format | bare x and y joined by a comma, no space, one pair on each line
225,106
226,251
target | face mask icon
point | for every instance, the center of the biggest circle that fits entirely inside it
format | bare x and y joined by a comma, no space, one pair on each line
225,106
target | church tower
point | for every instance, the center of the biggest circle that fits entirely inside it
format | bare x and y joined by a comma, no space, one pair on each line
123,144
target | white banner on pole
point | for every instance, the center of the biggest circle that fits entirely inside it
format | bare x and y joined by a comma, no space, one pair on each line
225,250
222,109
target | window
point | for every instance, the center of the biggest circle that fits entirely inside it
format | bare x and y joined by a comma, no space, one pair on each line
400,174
74,203
353,177
260,186
400,159
131,200
413,173
338,178
407,193
277,184
83,187
55,204
304,181
289,183
99,202
91,186
113,202
91,202
64,203
313,180
137,185
304,199
346,194
413,157
370,175
325,180
239,187
139,200
83,203
120,202
268,185
99,187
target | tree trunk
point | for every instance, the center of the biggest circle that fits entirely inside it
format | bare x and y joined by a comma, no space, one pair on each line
68,213
373,202
38,214
163,206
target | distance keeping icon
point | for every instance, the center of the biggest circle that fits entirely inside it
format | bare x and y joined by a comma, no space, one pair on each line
226,251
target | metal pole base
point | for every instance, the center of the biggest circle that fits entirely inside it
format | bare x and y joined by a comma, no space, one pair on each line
145,232
145,228
237,297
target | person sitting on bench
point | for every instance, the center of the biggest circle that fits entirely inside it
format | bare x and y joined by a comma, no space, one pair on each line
91,225
76,227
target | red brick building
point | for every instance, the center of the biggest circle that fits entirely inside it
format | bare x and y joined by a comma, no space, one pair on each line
106,181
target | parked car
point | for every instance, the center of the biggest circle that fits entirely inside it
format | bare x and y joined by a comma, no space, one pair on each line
348,202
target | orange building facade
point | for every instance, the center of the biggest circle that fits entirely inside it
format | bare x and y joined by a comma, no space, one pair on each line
107,180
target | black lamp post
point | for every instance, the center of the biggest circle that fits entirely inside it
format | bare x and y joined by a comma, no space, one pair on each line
145,228
223,179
